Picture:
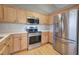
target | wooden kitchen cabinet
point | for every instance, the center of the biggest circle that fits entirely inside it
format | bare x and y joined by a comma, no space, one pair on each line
51,37
16,42
19,42
23,41
10,44
51,19
1,13
30,13
13,43
45,37
5,50
43,19
21,16
9,14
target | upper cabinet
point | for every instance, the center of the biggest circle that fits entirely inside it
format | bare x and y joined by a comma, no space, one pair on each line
50,17
9,14
30,13
43,19
21,16
1,13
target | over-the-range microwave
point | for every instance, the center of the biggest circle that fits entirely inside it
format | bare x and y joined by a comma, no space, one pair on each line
33,21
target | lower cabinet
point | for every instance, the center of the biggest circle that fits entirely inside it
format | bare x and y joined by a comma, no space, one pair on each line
51,37
19,42
13,43
10,44
45,37
23,43
5,50
16,43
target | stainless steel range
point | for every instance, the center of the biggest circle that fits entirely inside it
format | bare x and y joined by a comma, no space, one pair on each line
34,38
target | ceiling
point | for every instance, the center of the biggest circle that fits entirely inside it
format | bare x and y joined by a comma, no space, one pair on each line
42,8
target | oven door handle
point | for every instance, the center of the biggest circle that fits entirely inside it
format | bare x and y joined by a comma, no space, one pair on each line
33,35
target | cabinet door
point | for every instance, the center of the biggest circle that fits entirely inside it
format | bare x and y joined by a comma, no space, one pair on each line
51,18
9,14
1,13
50,37
23,43
44,37
21,16
16,44
11,44
30,13
43,19
5,50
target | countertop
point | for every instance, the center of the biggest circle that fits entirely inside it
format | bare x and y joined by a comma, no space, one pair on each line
5,35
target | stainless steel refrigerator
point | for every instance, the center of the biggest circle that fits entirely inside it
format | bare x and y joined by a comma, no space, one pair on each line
65,32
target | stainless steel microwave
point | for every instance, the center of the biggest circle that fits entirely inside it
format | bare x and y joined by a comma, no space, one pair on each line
33,21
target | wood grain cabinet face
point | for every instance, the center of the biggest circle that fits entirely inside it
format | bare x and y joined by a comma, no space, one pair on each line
5,50
43,19
51,19
30,13
10,44
50,37
1,13
19,42
21,16
9,14
16,43
44,37
16,15
24,42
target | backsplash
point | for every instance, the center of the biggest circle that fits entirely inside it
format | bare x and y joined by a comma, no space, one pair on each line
51,28
22,27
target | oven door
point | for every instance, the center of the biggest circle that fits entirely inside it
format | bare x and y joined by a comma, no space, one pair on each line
34,39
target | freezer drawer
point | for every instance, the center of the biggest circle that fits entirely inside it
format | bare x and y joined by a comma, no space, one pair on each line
69,47
65,46
58,45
